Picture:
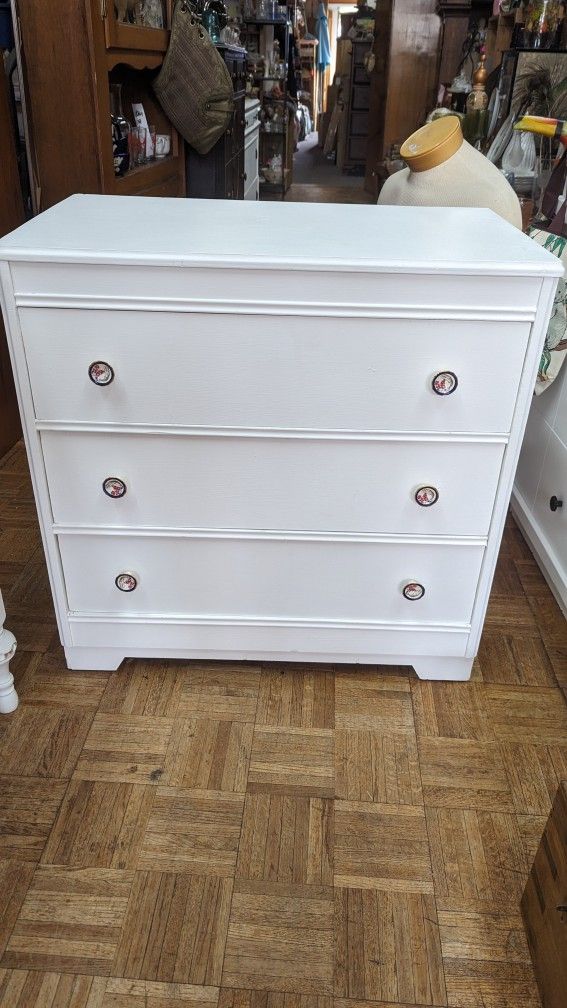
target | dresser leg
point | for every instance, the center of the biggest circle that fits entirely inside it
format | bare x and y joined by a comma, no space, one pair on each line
443,668
83,659
8,695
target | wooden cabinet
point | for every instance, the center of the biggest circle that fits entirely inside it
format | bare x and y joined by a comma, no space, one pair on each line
246,446
544,906
220,173
71,56
404,79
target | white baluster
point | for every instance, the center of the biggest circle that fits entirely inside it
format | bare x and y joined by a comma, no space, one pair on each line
8,695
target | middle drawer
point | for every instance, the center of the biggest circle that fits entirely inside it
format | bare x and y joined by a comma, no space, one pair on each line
272,483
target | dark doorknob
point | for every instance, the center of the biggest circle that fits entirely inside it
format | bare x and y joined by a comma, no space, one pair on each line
555,503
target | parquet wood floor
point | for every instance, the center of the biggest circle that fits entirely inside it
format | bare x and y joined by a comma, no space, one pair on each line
183,835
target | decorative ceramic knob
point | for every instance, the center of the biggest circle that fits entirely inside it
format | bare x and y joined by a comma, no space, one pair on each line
444,382
126,582
101,373
413,591
426,496
114,487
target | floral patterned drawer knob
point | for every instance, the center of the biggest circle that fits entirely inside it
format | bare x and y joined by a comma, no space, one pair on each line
126,582
413,591
114,487
101,373
444,383
426,496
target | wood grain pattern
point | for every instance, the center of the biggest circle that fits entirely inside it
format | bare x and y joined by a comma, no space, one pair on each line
382,847
175,928
15,878
457,713
463,773
366,701
293,761
99,825
223,692
377,767
125,748
300,835
486,959
280,938
286,838
529,715
28,807
388,947
297,696
192,831
39,989
43,742
70,921
477,856
210,754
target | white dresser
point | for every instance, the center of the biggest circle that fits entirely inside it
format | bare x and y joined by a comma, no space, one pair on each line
269,430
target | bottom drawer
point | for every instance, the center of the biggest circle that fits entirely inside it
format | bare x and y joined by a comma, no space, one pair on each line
285,578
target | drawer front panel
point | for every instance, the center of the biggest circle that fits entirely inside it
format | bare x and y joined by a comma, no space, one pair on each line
262,483
270,371
271,578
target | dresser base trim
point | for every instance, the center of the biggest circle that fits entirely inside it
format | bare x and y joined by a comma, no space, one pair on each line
83,659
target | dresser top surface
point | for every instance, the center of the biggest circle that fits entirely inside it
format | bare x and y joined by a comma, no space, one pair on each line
231,233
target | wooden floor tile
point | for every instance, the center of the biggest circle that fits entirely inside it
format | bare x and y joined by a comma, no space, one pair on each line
461,773
70,921
280,938
231,998
530,715
511,616
296,697
477,856
127,748
47,682
377,767
514,659
388,947
123,993
192,831
209,754
38,989
293,761
145,688
287,838
99,825
451,710
534,773
175,928
358,1003
486,960
370,701
43,741
28,807
382,847
15,878
223,692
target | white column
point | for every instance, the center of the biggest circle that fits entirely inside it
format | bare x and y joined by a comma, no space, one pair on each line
8,695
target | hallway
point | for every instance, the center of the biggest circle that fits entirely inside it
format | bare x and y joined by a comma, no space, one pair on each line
316,179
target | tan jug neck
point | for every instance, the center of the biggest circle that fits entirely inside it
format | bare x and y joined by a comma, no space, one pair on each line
432,144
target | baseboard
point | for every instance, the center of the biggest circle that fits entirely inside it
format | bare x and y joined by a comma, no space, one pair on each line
542,549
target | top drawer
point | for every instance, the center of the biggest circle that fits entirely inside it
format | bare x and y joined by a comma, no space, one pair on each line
262,371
